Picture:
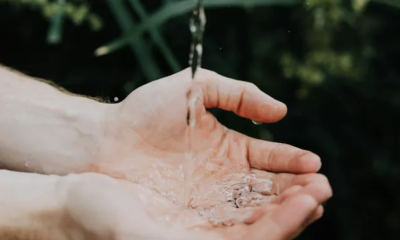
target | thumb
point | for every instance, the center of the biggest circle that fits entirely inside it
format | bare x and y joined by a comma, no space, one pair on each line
240,97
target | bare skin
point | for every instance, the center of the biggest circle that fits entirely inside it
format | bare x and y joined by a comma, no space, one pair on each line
145,136
158,139
94,206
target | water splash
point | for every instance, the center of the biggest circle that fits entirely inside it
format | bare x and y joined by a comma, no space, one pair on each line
242,191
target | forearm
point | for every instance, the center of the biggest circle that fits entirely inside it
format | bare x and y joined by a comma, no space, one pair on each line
43,129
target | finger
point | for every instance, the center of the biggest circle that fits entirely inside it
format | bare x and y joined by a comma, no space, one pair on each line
290,192
287,193
314,184
283,181
317,215
317,190
285,221
279,157
243,98
321,192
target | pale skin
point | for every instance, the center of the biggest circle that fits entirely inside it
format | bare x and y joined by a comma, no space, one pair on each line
47,131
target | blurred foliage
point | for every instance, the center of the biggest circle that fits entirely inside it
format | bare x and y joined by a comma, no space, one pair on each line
336,63
77,11
323,58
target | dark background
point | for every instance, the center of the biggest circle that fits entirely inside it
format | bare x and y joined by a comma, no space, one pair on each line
336,66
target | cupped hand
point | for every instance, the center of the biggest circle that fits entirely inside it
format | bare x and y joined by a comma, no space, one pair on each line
147,140
105,208
95,206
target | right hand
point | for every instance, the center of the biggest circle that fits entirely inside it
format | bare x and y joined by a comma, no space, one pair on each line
95,206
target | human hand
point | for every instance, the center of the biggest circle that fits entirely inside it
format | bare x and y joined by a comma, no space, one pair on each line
147,144
155,162
95,206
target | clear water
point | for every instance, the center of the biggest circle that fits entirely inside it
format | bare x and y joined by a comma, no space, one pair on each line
197,27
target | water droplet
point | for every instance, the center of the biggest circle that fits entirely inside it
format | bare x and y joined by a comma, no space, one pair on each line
256,123
193,27
116,99
220,48
199,49
26,164
288,31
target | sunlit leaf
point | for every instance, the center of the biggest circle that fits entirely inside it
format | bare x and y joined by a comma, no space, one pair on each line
157,37
139,47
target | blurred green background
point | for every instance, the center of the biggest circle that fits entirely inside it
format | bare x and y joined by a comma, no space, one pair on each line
336,63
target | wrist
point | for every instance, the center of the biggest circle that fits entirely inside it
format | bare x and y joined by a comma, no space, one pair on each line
89,121
44,129
54,133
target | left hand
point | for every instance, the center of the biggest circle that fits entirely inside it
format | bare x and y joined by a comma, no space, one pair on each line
147,139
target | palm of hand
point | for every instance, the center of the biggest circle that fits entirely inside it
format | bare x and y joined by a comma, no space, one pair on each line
152,139
105,208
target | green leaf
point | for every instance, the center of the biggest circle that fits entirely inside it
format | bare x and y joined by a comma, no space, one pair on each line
139,47
157,37
176,9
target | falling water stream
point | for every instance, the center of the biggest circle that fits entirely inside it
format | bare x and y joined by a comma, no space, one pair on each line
197,27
